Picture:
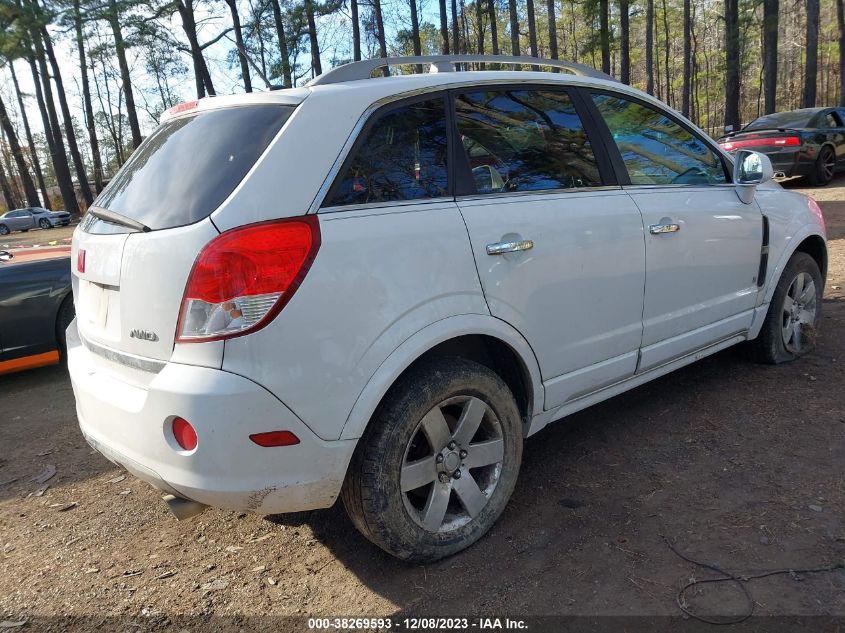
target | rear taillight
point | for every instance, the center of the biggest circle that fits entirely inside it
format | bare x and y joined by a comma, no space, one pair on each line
775,141
243,278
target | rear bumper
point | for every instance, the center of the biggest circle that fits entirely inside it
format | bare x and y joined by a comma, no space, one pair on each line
130,425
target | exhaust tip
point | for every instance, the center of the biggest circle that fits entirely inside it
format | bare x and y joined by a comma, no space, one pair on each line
183,508
779,175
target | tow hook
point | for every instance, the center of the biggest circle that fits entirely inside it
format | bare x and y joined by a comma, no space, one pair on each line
183,508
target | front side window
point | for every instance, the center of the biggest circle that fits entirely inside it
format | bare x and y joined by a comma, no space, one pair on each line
655,149
402,157
524,140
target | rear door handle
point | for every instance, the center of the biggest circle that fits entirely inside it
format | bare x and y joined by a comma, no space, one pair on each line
659,229
500,248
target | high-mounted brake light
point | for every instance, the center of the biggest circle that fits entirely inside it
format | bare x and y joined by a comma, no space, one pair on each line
244,277
779,141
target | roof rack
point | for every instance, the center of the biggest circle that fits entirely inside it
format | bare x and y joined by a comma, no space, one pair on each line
446,63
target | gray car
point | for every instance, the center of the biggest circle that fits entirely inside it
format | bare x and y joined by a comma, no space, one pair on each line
30,218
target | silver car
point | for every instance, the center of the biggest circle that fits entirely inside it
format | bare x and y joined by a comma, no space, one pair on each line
30,218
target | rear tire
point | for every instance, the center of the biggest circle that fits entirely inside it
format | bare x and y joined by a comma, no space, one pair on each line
438,461
791,324
824,168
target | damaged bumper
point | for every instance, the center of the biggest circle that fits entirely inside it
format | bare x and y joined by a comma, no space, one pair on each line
127,417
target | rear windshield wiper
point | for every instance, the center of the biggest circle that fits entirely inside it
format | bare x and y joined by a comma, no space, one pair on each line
116,218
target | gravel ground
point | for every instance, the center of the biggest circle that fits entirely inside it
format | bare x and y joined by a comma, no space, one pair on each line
734,463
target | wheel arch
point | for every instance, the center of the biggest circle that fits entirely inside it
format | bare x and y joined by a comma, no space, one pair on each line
815,247
481,338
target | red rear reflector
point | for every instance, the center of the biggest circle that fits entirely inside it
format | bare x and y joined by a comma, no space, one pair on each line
184,433
275,438
80,260
777,141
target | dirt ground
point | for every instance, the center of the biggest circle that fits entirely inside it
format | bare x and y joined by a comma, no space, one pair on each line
736,464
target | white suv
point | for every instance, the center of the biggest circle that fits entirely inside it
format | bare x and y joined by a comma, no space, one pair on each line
376,288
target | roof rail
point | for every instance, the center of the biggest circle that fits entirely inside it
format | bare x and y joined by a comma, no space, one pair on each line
446,63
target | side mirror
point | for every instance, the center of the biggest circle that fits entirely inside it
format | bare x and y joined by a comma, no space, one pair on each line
751,169
728,129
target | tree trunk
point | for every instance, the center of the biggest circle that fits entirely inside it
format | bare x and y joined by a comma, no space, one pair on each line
201,74
514,27
415,32
17,154
770,54
239,42
57,147
550,9
382,42
283,42
70,133
6,190
624,43
810,75
33,151
356,30
456,33
685,91
666,47
532,28
312,37
120,51
604,35
86,100
732,75
649,47
494,27
840,18
479,18
444,28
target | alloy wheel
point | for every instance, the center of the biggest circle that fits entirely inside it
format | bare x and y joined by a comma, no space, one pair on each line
828,165
452,464
799,313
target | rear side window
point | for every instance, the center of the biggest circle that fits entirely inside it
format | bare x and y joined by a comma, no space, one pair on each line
655,149
524,140
402,156
188,166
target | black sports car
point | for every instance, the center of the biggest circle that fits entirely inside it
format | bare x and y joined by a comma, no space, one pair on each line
808,142
36,306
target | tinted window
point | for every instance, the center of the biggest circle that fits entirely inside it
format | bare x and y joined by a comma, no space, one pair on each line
795,118
655,149
402,157
524,140
188,166
830,120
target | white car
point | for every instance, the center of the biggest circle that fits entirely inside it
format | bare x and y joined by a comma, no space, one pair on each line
377,288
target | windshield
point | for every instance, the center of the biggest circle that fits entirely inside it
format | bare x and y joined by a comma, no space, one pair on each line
797,118
186,168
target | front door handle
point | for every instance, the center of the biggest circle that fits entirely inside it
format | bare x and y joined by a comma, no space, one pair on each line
659,229
500,248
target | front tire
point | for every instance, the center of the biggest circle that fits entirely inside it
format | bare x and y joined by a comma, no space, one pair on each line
791,324
4,230
44,223
438,462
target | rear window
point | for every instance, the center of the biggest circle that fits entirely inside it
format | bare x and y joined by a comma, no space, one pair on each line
186,168
797,118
